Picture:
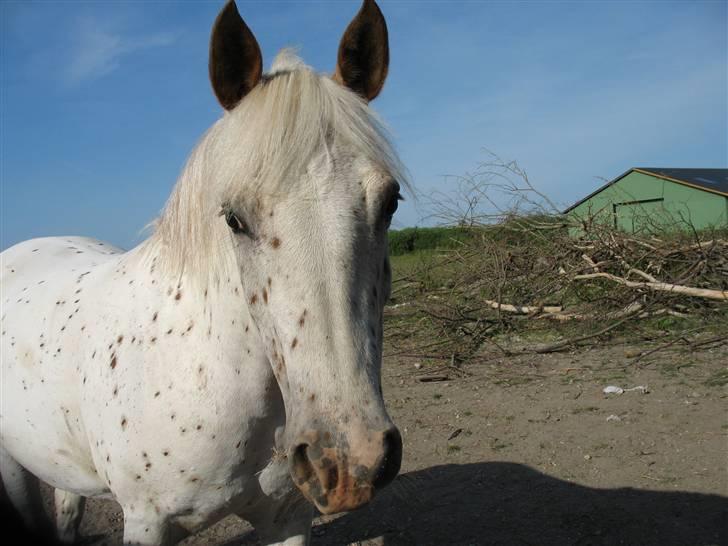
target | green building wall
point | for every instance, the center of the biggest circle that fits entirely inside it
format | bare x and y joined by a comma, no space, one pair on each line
640,202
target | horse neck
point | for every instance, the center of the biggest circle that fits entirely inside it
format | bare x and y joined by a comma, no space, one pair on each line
216,304
230,330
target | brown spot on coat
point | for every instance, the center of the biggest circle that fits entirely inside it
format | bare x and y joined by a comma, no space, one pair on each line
253,299
113,361
178,295
294,343
275,242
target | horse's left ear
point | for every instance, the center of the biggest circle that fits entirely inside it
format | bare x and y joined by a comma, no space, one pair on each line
364,52
236,64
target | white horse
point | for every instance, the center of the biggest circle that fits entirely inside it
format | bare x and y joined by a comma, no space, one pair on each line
231,362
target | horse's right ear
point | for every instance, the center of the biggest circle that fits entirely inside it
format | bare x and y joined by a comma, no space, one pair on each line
363,59
236,64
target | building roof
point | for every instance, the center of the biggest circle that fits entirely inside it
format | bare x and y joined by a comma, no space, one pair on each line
715,180
710,180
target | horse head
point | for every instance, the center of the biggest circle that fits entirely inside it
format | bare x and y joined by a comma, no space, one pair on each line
308,184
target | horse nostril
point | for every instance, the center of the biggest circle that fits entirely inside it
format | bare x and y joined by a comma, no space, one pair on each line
301,466
391,460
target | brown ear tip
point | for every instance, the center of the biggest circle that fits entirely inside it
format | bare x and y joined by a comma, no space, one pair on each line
229,12
371,8
230,8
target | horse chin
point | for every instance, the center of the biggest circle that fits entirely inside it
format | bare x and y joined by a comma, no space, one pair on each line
344,498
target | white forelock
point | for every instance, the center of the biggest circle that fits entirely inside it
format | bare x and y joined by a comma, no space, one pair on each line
262,147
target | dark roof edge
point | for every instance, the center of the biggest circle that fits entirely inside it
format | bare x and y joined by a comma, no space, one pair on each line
648,173
598,190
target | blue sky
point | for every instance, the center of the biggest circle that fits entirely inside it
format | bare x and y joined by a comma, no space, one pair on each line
101,102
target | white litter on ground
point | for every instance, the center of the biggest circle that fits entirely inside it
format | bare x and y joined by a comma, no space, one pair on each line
612,389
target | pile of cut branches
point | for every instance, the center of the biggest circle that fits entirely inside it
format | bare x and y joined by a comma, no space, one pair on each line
539,282
510,279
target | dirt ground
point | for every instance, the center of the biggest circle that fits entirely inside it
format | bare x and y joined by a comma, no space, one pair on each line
528,450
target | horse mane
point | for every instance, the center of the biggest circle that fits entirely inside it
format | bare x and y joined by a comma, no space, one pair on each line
261,147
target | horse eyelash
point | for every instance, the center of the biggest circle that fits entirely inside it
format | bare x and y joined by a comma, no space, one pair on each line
242,228
393,200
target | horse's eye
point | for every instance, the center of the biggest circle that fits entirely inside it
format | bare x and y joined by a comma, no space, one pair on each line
392,204
234,222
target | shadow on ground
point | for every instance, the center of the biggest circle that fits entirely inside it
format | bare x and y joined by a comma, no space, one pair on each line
512,504
508,504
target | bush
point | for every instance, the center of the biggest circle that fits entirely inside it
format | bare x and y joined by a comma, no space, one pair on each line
408,240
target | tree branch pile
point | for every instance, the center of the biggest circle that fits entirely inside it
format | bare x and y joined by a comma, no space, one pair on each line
534,270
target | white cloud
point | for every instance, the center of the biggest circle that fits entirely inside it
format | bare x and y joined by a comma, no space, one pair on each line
98,51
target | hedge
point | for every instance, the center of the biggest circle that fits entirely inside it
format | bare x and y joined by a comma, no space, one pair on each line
414,239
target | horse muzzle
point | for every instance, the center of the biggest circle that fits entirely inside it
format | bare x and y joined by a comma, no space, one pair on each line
337,478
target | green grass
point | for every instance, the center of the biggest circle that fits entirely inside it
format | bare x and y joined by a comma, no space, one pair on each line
674,369
497,445
718,379
406,264
425,265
